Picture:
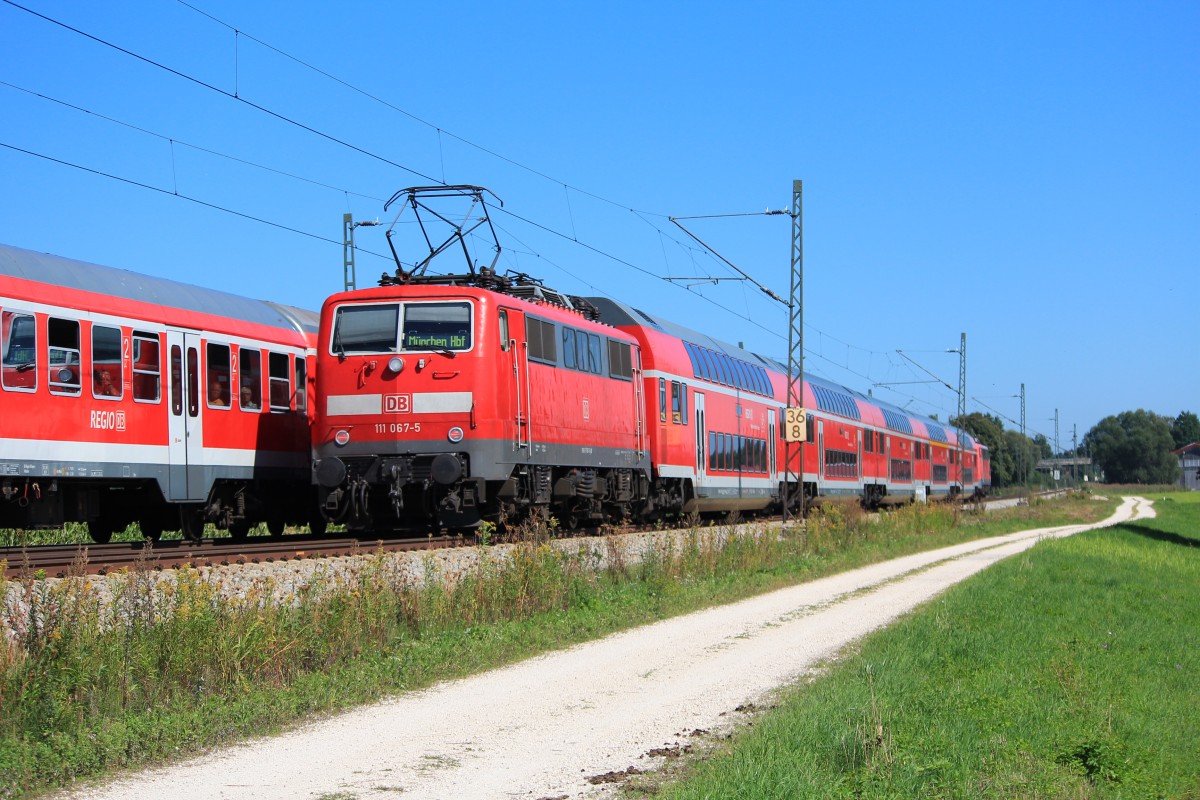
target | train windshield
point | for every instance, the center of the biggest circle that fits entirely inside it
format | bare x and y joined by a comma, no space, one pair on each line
365,329
437,326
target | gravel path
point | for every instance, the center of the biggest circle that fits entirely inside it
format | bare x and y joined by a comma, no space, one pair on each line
540,728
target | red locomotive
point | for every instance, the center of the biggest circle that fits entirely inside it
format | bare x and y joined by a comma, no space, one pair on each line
126,397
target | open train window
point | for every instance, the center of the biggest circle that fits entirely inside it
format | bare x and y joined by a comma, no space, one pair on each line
147,369
106,363
249,379
18,337
217,364
365,329
280,391
437,326
62,336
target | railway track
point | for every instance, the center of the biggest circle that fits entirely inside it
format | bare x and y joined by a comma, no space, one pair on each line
60,561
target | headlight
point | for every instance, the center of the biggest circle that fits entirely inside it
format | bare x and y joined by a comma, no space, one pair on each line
455,435
341,438
396,364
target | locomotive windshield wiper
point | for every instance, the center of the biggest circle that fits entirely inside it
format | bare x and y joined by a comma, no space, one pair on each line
446,353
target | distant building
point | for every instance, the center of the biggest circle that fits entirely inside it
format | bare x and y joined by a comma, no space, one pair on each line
1189,463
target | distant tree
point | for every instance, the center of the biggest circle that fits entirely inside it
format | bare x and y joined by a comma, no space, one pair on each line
1023,453
1185,429
1042,446
990,430
1134,447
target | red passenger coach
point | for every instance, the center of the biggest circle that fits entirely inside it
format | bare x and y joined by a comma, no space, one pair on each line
443,402
126,397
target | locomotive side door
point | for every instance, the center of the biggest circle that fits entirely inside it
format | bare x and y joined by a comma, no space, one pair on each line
514,385
185,441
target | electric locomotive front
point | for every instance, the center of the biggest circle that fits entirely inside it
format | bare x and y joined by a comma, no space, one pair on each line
445,404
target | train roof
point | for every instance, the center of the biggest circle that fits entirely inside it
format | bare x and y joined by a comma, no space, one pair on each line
68,273
830,396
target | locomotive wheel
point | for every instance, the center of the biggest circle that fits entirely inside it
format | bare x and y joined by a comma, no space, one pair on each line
102,529
152,529
275,525
191,524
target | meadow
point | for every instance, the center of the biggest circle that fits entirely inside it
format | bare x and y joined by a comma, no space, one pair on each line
1069,671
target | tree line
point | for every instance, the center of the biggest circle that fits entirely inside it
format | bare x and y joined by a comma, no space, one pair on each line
1130,447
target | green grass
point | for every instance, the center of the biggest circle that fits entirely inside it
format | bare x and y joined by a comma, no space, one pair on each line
172,668
1069,671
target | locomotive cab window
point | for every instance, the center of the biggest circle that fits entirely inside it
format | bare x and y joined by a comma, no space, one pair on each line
62,335
437,326
365,329
18,337
106,363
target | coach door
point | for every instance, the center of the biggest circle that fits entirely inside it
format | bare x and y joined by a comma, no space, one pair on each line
701,439
185,441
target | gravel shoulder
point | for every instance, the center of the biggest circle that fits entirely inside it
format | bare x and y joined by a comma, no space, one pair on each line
540,728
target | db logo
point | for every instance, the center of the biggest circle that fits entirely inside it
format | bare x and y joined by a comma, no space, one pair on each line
397,403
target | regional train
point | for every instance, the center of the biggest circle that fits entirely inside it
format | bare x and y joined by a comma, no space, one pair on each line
452,400
429,401
125,397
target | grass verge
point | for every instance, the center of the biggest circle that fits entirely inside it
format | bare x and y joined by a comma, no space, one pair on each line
1069,671
159,671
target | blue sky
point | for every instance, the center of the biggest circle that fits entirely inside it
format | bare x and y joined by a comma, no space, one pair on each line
1026,172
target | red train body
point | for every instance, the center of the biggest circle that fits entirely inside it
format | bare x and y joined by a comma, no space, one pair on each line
445,403
116,402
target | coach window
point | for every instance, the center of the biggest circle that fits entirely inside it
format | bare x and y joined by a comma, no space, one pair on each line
437,326
365,329
676,402
249,379
280,388
217,376
18,337
147,383
662,400
712,450
63,337
301,385
106,363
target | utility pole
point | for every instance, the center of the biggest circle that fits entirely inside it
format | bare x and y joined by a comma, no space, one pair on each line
348,226
795,368
1074,453
1024,444
962,405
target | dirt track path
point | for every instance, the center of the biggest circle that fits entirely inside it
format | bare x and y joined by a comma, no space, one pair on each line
538,729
